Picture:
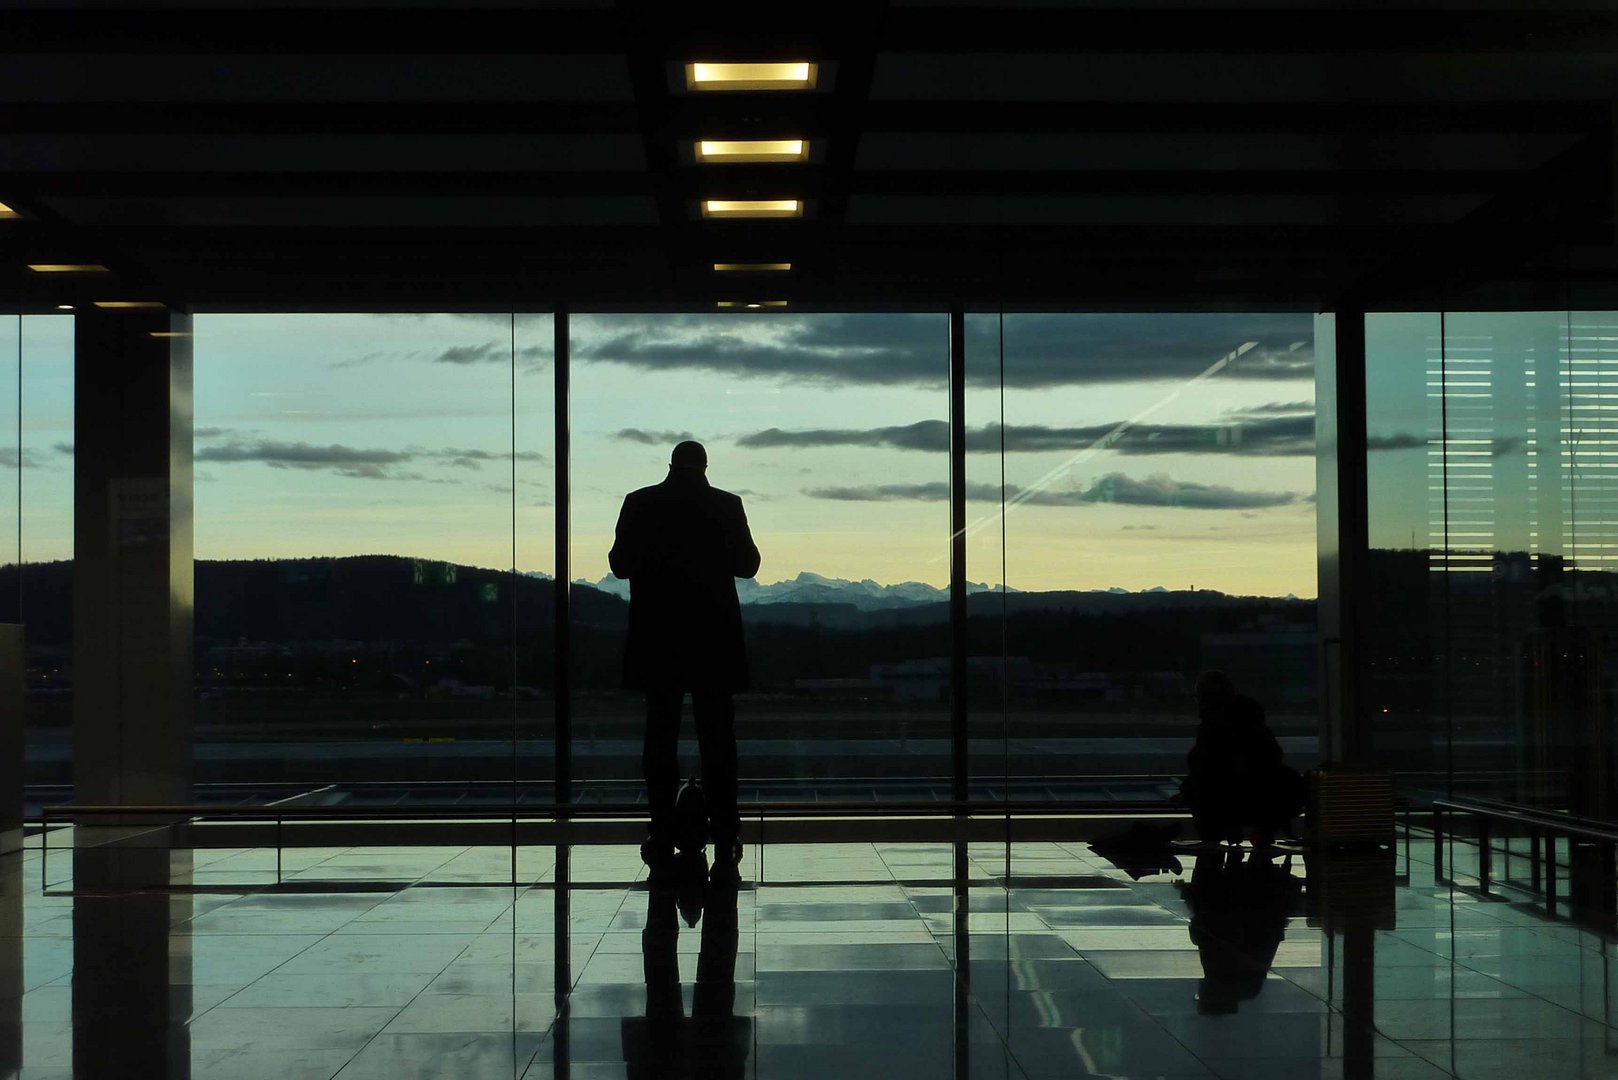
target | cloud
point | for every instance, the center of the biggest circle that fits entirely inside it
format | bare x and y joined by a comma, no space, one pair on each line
652,438
343,460
9,458
474,459
1401,440
63,448
923,435
1275,436
1163,490
1160,490
473,354
351,461
911,349
490,352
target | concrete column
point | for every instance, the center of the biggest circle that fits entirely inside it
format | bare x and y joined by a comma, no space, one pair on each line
1341,515
132,584
132,975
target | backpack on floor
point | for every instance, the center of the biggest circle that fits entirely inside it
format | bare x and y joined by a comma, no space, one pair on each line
690,817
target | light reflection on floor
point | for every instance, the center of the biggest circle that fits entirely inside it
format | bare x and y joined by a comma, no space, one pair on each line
849,960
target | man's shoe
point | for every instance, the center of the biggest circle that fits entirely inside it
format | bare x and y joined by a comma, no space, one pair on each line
659,859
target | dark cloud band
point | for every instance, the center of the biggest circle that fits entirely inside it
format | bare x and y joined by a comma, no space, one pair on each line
909,349
1279,436
351,461
1159,490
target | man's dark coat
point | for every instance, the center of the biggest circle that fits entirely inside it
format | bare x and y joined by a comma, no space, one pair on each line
682,544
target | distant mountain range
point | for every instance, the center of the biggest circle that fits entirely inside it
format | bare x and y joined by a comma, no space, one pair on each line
811,588
865,595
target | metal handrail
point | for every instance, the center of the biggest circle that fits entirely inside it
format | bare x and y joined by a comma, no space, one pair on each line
587,811
1539,824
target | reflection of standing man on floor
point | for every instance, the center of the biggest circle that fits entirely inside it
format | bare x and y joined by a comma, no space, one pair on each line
682,544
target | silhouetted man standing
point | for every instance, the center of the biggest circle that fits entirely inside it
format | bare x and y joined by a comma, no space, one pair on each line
681,544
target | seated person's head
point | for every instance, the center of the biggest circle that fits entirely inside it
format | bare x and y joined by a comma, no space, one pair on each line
1214,693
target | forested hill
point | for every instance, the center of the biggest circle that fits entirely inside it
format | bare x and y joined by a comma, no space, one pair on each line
360,598
384,597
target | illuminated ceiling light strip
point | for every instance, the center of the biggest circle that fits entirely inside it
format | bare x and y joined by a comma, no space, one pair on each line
751,268
751,305
169,333
763,151
794,75
752,208
125,305
7,212
68,268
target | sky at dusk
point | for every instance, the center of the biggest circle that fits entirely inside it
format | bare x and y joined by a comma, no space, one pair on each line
1140,450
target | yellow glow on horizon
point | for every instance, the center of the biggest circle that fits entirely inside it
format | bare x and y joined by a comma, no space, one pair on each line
120,305
721,151
752,208
752,305
7,212
798,75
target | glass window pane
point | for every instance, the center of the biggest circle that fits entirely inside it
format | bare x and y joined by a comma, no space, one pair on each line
354,555
832,429
1158,520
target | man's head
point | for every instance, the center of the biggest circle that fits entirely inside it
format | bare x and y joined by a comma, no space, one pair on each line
689,455
1214,693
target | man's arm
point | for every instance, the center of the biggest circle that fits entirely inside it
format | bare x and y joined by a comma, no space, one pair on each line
744,553
624,558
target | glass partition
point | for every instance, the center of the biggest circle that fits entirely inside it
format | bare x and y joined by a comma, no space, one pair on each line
359,585
36,539
833,430
1493,533
1147,480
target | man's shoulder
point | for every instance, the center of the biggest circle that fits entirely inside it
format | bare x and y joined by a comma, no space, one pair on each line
651,491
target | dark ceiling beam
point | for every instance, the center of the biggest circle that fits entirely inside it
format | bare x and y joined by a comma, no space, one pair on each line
318,118
761,181
1210,29
808,114
380,28
368,30
855,53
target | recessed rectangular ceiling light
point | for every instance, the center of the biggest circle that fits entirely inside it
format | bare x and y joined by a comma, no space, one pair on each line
752,305
725,151
127,304
798,75
752,268
752,208
68,268
7,212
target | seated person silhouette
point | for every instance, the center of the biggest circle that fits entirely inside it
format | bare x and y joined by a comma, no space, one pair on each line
1236,781
681,544
1239,910
712,1041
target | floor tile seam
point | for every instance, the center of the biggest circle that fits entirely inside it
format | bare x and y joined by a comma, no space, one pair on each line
1529,993
318,940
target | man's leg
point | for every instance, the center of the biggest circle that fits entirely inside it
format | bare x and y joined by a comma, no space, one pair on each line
716,738
659,763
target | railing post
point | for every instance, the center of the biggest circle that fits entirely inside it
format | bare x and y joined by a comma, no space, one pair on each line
1438,844
1483,852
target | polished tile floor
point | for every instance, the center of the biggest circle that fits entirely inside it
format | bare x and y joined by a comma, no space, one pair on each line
847,960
